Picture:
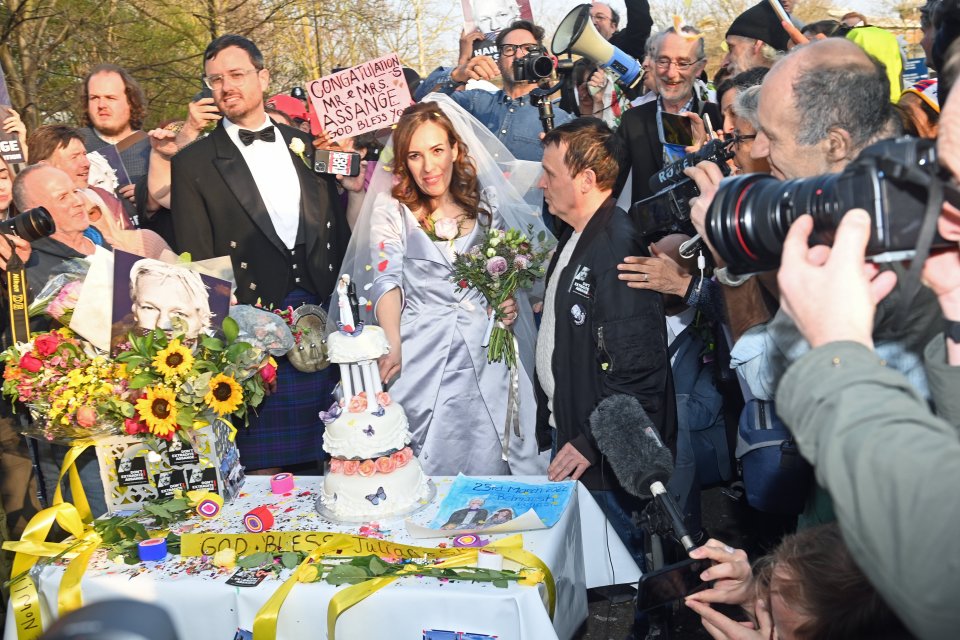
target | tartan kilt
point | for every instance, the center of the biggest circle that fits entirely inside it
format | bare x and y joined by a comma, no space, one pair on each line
286,428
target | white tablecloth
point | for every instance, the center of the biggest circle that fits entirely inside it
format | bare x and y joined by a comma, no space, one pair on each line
203,607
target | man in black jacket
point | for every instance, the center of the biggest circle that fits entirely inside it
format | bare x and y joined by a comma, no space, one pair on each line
597,337
679,59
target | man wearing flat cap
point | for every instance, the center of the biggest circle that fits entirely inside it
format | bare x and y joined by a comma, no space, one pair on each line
755,39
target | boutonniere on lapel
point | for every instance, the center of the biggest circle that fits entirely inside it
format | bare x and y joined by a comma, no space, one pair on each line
298,148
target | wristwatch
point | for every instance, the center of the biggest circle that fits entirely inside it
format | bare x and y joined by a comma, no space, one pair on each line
728,279
952,330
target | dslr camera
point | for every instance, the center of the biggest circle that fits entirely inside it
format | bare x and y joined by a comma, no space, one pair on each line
668,210
533,67
30,225
750,215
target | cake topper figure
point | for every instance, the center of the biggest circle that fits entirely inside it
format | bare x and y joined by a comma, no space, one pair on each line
343,302
354,301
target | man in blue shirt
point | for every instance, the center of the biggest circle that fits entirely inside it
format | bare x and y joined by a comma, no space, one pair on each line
510,113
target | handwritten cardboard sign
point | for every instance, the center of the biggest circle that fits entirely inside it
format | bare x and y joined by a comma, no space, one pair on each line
9,143
367,97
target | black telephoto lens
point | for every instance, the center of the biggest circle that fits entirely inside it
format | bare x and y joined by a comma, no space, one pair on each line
30,225
750,215
891,180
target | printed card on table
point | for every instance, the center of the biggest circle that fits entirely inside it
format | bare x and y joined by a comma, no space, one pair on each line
367,97
9,143
477,505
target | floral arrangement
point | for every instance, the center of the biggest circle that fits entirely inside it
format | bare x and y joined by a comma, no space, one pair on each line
286,315
60,294
178,389
63,379
504,262
158,388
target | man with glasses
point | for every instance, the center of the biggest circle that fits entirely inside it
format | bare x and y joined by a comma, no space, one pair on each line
509,113
678,61
633,37
247,191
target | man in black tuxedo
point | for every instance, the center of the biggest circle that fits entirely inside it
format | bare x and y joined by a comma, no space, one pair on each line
249,191
678,61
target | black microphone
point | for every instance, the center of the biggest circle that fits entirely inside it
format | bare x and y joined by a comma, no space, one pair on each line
629,440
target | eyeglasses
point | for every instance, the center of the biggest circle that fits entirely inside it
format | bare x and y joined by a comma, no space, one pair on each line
236,77
739,139
511,49
683,65
602,17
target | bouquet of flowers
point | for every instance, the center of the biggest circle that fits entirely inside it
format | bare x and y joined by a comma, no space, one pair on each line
158,388
504,262
65,381
176,390
60,294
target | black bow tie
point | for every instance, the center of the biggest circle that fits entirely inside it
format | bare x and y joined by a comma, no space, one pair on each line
267,135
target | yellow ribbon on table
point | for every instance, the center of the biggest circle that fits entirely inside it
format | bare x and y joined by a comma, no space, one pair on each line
76,488
31,547
265,623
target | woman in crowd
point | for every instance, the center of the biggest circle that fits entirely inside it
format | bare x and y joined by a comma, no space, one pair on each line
809,588
6,189
443,194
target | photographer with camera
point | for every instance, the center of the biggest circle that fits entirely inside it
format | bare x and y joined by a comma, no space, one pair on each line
890,465
819,107
511,114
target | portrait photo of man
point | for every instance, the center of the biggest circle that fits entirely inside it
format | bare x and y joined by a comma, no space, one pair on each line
151,294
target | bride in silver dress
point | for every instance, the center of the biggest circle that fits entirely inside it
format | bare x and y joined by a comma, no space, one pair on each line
450,180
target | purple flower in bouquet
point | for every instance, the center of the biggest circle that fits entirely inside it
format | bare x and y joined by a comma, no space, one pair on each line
521,262
497,266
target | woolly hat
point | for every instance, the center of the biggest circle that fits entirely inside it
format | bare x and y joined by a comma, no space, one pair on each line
927,90
760,22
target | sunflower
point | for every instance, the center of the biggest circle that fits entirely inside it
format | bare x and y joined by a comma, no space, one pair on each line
225,395
175,360
158,408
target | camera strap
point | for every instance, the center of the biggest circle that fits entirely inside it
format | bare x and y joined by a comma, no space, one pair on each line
911,284
17,289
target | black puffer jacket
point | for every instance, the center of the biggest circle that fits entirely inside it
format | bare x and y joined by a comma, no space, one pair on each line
610,339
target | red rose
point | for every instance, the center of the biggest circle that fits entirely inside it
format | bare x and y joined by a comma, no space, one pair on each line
463,284
30,363
268,372
46,344
131,426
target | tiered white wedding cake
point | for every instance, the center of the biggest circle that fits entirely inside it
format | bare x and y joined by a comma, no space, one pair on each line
373,473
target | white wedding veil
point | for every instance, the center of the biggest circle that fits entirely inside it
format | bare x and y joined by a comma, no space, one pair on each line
508,191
